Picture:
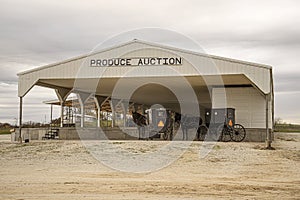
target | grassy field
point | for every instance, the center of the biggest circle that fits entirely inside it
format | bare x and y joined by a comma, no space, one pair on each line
4,131
290,128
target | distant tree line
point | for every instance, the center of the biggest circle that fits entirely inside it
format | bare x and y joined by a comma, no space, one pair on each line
5,125
282,126
30,124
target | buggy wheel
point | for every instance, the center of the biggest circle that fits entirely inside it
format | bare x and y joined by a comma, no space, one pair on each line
168,134
202,131
171,136
165,135
239,133
226,134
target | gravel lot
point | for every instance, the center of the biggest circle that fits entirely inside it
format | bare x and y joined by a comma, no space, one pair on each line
66,170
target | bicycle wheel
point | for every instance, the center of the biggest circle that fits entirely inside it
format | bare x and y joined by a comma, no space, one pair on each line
239,133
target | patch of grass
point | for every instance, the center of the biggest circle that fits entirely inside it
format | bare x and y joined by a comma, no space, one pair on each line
5,131
18,145
118,142
71,183
258,147
287,139
106,123
216,147
289,128
143,150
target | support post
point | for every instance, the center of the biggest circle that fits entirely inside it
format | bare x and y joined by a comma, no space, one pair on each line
62,113
69,115
99,117
20,119
83,97
62,95
106,119
99,100
268,132
82,116
112,113
51,115
113,105
125,106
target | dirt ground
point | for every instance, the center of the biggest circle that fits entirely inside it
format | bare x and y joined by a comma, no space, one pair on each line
66,170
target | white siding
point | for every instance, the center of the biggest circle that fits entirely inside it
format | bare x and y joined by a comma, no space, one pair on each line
249,104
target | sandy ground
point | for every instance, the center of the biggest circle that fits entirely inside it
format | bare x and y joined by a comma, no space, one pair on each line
66,170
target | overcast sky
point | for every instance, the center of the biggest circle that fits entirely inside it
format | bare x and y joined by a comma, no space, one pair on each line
38,32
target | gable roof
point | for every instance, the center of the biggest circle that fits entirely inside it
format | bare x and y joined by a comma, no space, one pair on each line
149,44
62,73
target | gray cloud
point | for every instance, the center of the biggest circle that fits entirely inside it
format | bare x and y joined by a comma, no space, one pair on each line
34,109
288,82
286,108
35,33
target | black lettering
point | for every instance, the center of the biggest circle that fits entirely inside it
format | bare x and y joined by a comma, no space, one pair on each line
165,61
92,63
140,62
152,61
171,61
146,61
116,62
98,63
179,61
104,62
110,62
128,60
122,61
158,60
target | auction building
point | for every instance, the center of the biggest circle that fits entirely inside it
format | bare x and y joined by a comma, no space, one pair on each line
136,76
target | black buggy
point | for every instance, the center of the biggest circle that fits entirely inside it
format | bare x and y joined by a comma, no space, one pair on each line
220,126
162,122
157,123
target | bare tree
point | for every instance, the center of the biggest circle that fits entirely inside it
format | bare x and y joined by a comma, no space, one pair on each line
278,120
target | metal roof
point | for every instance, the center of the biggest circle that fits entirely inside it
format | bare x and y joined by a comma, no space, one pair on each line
64,74
150,44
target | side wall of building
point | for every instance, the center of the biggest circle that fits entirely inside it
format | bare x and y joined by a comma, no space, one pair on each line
250,109
249,104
